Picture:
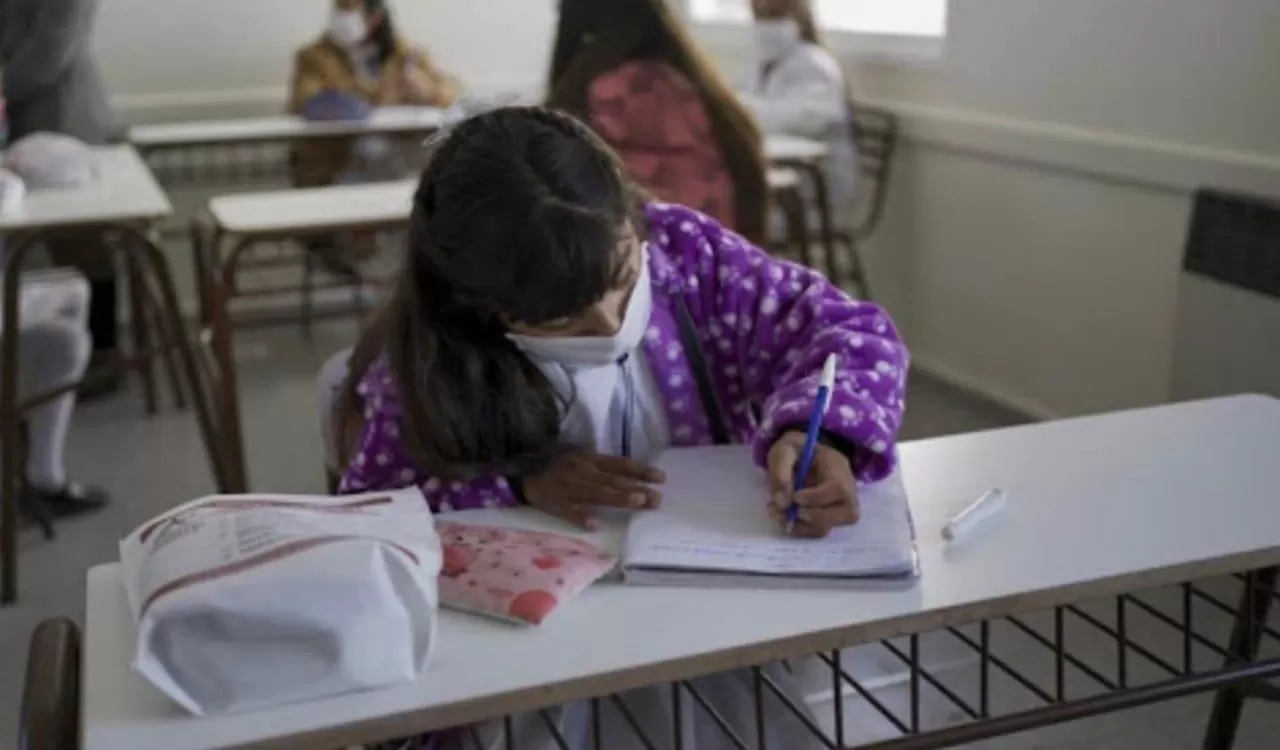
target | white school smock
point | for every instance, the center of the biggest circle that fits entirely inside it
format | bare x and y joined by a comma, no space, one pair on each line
805,95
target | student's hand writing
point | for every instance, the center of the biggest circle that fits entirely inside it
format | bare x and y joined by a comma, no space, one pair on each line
830,497
578,483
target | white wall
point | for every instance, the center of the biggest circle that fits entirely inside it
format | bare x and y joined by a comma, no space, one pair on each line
1034,236
1054,153
237,53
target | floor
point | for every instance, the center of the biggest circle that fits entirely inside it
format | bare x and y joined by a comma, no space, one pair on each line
153,463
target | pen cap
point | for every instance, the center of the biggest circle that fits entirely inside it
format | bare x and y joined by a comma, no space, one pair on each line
829,372
975,515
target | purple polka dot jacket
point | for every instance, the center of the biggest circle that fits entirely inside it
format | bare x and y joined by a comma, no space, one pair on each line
766,327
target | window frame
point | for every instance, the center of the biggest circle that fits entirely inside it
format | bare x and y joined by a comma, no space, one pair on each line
854,46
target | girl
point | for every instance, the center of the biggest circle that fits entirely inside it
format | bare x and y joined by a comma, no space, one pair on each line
53,85
798,88
556,333
551,333
360,56
54,346
359,63
543,307
629,69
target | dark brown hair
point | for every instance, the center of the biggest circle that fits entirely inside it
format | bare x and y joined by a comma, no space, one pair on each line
802,12
383,36
596,36
518,217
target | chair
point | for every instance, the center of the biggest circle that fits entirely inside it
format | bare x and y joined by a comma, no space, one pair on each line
329,384
875,134
50,718
786,189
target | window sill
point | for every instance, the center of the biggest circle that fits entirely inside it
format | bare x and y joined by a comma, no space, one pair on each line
906,50
893,49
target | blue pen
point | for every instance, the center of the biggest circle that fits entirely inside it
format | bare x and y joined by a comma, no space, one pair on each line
820,404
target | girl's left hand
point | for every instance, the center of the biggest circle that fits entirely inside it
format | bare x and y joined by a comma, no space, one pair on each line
830,496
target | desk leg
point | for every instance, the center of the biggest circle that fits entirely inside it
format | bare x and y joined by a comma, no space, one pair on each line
201,267
229,391
215,318
175,334
822,195
10,423
1251,617
221,289
797,219
156,236
141,332
199,236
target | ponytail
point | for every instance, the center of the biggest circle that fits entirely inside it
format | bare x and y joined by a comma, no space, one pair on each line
473,404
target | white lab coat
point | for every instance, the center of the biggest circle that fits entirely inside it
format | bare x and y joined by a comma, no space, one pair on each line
806,95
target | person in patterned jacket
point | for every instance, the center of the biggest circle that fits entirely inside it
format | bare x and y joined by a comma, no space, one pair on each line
551,333
631,70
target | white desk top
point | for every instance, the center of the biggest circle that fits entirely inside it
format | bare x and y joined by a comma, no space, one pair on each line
793,149
314,209
282,127
383,120
1097,506
123,191
323,208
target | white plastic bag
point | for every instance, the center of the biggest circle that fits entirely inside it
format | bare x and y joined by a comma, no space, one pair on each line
12,192
250,601
51,160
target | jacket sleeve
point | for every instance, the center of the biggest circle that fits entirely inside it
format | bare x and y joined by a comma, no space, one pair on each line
807,112
61,33
381,462
772,325
807,102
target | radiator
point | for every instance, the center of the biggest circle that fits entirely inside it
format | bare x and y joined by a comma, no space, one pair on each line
1227,329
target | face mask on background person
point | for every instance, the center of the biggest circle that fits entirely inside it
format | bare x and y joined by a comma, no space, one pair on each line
347,28
776,38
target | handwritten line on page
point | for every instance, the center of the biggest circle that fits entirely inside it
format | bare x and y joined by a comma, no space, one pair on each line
713,520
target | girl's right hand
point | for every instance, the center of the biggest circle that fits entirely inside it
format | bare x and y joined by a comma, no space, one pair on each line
577,483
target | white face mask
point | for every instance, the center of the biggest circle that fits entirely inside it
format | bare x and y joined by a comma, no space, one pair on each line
777,38
578,352
347,28
588,371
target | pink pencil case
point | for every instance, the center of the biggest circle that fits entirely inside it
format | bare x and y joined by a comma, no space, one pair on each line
513,574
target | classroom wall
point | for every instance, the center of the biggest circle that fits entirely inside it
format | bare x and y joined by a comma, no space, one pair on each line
235,54
1054,151
1033,240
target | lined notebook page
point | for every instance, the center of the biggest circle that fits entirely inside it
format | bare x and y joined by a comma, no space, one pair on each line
714,518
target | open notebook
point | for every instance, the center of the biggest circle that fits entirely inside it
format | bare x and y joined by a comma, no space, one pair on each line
713,529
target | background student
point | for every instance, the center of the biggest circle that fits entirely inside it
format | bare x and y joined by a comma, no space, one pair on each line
52,84
630,69
798,87
54,345
361,60
359,63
